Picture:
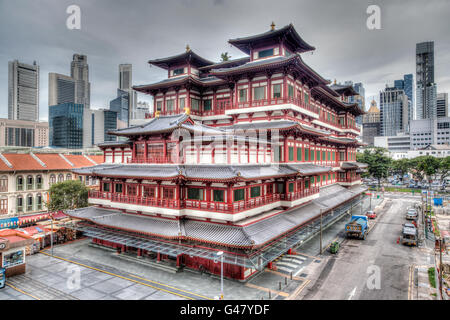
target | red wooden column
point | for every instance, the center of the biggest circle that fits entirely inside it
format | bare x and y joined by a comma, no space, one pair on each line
286,149
165,149
100,184
123,154
177,158
230,197
145,151
227,145
269,86
214,102
250,92
177,104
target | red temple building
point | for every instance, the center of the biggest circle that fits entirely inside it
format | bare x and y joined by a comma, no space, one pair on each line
243,156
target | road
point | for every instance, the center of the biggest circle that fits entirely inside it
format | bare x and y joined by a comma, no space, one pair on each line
353,274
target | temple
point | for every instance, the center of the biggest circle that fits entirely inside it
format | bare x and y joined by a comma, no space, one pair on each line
244,156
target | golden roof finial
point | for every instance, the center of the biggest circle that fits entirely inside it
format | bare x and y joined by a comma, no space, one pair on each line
272,26
187,110
188,48
157,113
335,81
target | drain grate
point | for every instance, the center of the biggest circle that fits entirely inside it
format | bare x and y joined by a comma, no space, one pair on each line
303,275
317,261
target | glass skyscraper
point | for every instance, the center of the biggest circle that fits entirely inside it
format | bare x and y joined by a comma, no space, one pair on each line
426,88
406,84
66,125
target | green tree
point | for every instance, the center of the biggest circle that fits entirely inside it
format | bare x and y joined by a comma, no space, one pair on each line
225,57
428,166
378,163
444,168
69,194
401,167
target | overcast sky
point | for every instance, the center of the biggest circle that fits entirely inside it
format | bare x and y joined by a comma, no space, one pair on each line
134,31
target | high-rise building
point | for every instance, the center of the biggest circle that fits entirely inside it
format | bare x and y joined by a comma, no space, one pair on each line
121,105
23,91
79,71
66,122
394,115
407,85
125,84
442,105
61,89
371,124
425,85
359,98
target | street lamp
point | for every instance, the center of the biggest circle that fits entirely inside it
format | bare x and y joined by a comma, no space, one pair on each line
220,254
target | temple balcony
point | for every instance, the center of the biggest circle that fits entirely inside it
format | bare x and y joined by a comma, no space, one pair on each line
273,104
203,209
349,181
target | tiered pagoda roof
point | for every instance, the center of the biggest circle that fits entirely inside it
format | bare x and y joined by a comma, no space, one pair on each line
186,57
287,34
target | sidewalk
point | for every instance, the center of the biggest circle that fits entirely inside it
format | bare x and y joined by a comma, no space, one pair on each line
423,289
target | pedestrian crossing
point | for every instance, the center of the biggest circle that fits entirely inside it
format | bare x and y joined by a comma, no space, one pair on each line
290,263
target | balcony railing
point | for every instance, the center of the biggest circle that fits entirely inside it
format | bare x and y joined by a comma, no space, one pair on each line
275,101
223,207
161,159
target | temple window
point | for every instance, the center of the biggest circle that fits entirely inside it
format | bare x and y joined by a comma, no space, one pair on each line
291,187
242,95
178,71
291,153
155,150
299,154
181,103
306,98
170,105
195,194
306,184
265,53
259,93
168,193
118,188
276,90
280,187
306,154
255,192
207,105
149,192
239,194
106,187
218,195
290,91
195,104
158,105
132,190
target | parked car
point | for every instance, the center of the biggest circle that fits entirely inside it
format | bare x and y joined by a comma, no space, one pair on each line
411,214
371,214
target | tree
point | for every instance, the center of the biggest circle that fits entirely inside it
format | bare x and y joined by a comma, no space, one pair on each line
378,164
444,168
66,195
225,57
428,166
401,167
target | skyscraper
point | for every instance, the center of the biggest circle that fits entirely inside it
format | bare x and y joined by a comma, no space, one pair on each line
406,84
393,111
61,89
120,105
360,98
23,91
125,85
442,105
79,71
425,85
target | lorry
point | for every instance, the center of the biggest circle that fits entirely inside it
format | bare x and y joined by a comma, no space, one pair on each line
409,235
358,227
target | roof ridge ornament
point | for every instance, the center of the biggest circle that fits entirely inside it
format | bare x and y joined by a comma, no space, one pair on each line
188,48
187,110
272,26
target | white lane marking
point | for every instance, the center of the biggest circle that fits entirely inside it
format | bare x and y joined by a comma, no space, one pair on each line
352,293
299,270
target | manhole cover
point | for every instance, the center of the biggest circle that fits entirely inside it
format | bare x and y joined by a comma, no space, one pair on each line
317,261
303,275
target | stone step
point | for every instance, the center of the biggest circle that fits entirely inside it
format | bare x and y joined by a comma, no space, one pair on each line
284,269
287,264
293,256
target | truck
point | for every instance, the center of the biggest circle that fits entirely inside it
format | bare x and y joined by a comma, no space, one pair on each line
358,227
409,235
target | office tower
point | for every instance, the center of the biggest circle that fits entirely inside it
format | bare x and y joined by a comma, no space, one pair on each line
120,105
23,91
393,111
406,84
61,89
371,124
442,105
126,84
79,71
66,122
22,133
359,98
425,85
110,123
